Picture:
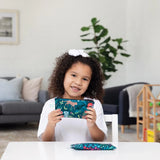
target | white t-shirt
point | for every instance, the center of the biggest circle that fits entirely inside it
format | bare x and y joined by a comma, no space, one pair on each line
71,129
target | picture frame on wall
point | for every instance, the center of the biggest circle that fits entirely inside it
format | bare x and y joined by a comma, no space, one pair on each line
9,26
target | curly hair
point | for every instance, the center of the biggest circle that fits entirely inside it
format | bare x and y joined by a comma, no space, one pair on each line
65,62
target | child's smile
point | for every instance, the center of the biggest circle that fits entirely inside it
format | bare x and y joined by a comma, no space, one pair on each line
77,80
75,89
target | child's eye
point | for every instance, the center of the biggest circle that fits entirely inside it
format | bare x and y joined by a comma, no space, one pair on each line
85,79
73,75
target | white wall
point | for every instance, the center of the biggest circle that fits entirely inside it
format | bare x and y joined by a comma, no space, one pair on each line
143,32
50,27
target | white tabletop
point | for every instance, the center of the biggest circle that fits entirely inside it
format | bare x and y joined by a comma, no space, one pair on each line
62,151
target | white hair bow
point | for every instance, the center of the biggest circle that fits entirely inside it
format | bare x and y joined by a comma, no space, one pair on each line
74,52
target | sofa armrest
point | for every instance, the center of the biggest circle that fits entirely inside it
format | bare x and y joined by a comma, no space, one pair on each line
43,96
123,107
111,95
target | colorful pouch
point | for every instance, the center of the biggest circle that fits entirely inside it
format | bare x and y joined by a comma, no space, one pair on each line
92,146
73,108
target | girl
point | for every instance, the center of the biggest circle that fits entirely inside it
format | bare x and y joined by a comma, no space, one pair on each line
76,76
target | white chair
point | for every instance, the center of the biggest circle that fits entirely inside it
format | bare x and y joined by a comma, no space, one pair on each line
114,119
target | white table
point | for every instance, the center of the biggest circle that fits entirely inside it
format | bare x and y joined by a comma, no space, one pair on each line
62,151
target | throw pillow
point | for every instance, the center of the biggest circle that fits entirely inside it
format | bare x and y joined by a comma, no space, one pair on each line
10,89
31,88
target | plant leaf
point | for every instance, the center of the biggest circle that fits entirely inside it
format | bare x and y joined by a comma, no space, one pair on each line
93,54
88,48
83,35
117,62
107,76
96,39
105,41
118,40
87,39
102,59
94,21
120,47
85,28
113,50
104,32
125,55
98,28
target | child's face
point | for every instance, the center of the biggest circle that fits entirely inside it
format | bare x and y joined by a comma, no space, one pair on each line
76,80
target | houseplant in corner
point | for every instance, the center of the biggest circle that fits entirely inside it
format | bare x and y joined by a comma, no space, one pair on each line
105,49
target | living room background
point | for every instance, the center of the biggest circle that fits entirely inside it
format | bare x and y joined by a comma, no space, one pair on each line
47,28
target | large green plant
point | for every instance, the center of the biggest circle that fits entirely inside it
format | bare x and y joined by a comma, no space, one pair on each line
105,49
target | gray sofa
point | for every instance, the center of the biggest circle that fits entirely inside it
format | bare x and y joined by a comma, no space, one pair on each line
22,111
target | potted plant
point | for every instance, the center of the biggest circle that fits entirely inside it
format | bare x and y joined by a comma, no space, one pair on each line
105,49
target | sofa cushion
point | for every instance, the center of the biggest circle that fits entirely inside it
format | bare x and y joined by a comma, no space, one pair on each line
10,89
31,88
19,107
110,109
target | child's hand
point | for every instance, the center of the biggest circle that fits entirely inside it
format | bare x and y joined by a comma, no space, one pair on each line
54,117
90,117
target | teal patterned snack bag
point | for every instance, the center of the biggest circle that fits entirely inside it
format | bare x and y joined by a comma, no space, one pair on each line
73,108
92,146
